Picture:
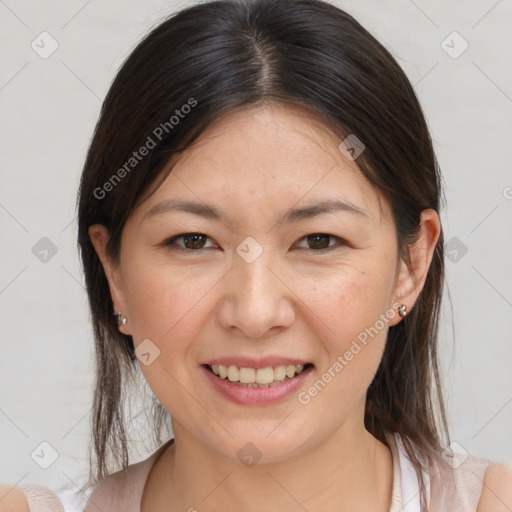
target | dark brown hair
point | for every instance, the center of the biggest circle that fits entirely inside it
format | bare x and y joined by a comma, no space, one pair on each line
229,54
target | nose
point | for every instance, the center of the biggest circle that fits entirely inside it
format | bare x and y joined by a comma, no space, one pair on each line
257,300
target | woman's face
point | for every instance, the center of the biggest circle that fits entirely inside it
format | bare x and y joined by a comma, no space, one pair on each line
255,289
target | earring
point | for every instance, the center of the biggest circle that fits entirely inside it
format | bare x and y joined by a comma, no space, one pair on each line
120,321
402,310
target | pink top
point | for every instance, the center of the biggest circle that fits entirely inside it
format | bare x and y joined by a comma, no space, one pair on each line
453,483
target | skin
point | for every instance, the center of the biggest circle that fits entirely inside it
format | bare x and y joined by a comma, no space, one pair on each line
292,301
12,499
276,301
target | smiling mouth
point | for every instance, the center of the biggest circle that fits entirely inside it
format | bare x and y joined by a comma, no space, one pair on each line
257,377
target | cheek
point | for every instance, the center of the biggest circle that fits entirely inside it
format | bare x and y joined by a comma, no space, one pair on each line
161,300
352,312
166,307
169,306
351,298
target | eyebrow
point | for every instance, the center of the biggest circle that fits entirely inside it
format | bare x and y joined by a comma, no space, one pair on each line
295,215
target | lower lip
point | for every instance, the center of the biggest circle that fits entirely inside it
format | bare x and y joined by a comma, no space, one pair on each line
244,395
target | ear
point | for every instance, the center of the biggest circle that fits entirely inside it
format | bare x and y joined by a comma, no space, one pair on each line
410,282
99,236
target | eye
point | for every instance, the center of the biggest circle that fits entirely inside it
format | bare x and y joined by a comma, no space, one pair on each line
196,241
192,241
320,241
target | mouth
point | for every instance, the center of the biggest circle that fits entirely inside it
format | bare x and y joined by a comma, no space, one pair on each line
257,377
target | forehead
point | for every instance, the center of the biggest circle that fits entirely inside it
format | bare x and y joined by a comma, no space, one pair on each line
272,157
269,137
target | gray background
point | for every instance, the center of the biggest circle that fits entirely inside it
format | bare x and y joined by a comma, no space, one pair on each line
48,111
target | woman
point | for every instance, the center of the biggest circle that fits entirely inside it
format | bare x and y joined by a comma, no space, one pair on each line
260,235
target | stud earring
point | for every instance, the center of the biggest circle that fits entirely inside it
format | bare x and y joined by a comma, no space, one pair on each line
402,310
120,321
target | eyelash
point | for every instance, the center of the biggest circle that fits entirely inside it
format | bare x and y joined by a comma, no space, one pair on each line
171,241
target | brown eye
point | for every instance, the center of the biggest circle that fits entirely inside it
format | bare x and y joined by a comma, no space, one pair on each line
196,241
320,241
191,241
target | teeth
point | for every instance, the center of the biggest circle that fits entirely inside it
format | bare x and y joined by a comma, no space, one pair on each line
223,372
247,375
280,372
257,375
290,371
265,375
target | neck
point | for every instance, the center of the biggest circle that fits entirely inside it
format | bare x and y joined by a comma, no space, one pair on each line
350,471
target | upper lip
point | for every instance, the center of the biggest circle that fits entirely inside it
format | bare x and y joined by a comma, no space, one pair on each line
249,362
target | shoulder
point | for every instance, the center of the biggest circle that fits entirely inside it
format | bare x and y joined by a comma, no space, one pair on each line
26,497
497,489
124,488
12,499
108,492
